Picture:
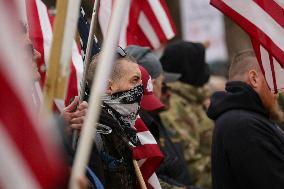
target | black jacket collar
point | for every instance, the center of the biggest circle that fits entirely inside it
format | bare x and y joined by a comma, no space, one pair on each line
238,95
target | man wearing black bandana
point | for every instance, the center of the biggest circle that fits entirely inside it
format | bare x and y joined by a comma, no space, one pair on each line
116,133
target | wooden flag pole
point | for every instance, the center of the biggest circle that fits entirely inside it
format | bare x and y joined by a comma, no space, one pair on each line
139,175
98,89
87,61
53,62
59,61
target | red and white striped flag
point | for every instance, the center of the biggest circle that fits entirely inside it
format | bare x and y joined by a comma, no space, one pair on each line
148,23
41,32
29,158
148,155
263,20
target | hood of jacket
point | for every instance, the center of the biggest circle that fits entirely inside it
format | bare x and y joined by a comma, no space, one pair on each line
238,95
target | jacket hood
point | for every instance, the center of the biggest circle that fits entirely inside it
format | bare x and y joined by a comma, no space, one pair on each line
238,95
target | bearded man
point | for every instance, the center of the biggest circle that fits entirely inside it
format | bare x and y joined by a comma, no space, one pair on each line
248,147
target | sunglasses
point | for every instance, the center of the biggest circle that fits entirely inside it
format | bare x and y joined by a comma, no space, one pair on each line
120,52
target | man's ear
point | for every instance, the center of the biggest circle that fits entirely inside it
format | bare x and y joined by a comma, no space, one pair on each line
109,89
253,78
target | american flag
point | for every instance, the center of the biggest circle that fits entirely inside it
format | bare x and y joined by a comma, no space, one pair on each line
148,154
29,159
263,20
148,23
40,23
83,29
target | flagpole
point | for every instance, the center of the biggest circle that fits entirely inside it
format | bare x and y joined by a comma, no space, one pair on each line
59,60
87,61
98,89
89,47
139,175
53,62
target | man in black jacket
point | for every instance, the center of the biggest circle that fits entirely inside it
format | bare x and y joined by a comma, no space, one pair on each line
248,147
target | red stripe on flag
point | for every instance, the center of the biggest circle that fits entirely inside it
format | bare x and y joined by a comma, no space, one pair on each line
140,126
147,9
153,157
256,48
251,29
273,72
48,171
147,151
134,35
72,89
143,40
132,28
36,34
273,9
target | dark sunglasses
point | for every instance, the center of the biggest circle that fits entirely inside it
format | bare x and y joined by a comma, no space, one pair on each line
120,52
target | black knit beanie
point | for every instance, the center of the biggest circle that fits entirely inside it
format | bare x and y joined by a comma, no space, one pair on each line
188,59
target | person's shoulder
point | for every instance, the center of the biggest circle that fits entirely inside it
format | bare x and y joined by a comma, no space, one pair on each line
236,116
238,121
238,127
187,93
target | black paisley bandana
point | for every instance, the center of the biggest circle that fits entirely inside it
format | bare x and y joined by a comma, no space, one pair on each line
124,107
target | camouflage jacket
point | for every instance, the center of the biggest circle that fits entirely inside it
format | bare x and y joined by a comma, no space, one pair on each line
187,120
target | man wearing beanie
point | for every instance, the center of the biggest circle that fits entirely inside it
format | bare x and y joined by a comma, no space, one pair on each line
186,116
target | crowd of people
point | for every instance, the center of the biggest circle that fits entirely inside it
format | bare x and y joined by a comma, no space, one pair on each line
172,95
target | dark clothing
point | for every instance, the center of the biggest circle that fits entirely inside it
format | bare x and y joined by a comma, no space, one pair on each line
96,165
281,103
116,155
151,123
248,148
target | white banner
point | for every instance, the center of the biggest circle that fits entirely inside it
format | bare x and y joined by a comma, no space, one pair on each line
200,23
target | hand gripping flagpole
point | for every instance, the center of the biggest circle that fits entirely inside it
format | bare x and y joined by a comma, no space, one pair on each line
98,89
87,61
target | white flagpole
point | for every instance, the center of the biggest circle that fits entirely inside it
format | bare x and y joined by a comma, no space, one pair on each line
98,89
